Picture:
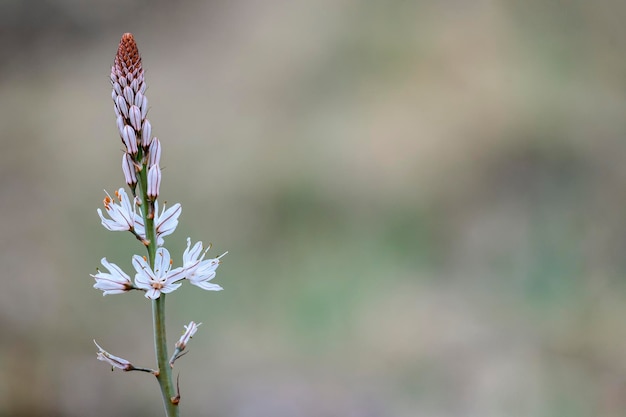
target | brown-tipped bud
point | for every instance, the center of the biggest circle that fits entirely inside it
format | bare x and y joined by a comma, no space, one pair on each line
131,105
127,59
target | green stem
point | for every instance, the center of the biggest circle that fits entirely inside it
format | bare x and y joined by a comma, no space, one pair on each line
164,376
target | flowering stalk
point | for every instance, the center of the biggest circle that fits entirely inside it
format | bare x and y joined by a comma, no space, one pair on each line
154,273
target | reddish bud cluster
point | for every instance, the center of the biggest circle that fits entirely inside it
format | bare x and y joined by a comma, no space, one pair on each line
142,150
127,59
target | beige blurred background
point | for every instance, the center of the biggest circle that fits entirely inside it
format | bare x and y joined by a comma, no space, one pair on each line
424,204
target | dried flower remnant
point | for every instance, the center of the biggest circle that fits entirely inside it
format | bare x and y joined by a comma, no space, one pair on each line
190,330
117,362
114,361
181,345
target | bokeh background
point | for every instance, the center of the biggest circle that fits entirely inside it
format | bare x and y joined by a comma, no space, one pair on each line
424,204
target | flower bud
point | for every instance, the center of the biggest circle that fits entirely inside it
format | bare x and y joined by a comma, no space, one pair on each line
138,99
154,182
117,88
135,85
154,153
144,107
128,167
146,134
130,140
121,105
120,124
129,95
135,117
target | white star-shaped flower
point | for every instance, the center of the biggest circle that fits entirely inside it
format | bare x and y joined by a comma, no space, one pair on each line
160,280
166,222
122,215
114,282
200,271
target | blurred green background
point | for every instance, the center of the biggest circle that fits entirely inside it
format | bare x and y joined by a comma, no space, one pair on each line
424,204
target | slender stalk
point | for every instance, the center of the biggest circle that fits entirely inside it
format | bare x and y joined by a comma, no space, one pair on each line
160,344
142,174
164,375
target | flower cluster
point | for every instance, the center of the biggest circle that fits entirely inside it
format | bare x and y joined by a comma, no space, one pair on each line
124,217
140,165
160,279
142,151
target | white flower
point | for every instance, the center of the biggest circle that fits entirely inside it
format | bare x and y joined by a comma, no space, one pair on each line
114,282
190,330
166,222
161,279
114,361
122,215
200,271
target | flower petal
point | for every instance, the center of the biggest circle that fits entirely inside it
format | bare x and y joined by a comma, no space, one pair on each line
168,220
168,288
191,254
205,285
153,293
162,263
